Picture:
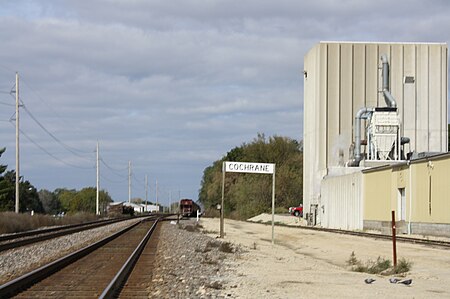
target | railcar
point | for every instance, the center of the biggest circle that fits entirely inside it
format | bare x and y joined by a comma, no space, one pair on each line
188,208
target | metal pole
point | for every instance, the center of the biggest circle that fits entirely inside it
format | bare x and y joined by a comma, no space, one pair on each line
170,201
129,181
273,206
97,194
156,190
221,207
146,192
394,245
17,144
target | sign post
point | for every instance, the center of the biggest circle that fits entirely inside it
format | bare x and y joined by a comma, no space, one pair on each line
247,167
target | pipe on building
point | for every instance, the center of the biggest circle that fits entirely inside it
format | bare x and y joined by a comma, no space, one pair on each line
390,101
362,113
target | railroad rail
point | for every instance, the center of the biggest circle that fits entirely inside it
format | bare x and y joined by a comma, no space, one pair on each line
101,270
437,243
28,237
427,242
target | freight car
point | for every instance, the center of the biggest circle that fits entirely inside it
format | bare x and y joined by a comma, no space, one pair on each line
188,208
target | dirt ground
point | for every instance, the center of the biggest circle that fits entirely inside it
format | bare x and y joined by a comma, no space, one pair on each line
311,264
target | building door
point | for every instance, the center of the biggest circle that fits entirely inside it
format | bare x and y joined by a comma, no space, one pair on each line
401,204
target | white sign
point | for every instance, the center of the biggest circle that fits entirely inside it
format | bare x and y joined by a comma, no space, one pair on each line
247,167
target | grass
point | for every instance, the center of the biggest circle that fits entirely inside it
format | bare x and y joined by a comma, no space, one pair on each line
11,222
379,266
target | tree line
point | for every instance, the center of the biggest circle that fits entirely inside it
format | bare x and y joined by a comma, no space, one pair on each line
45,201
247,195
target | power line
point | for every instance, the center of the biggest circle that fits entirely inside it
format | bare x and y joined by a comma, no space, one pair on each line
42,100
50,154
142,184
70,149
113,181
67,147
117,170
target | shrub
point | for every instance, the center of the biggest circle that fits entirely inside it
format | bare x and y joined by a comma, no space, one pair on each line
380,266
11,222
403,266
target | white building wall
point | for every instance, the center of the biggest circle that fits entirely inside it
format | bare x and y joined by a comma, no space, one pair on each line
342,202
341,77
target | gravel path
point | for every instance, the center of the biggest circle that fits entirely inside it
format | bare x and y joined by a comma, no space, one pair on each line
190,264
16,262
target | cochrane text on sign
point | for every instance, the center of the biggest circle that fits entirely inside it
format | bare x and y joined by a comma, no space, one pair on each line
247,167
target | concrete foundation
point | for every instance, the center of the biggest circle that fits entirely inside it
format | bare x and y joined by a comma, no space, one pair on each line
417,228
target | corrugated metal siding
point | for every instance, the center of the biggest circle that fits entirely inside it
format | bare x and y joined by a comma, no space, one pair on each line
342,202
343,77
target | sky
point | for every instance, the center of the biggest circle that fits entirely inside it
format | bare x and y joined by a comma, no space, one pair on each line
170,86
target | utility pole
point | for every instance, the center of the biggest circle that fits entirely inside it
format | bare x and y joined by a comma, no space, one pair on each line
156,190
97,195
146,192
170,201
17,143
129,181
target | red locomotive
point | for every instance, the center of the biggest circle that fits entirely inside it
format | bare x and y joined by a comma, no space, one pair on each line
188,208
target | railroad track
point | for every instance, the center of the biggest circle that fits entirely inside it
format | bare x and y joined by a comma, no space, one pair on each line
29,237
436,243
104,269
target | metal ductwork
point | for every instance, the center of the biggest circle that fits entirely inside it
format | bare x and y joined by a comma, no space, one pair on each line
390,101
363,113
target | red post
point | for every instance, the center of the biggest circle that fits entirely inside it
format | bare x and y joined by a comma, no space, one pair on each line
394,245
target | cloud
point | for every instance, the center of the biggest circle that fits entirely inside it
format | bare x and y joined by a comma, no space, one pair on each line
172,85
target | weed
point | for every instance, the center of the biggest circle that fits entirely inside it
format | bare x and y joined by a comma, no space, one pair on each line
210,245
352,261
214,285
403,266
254,246
226,247
379,266
12,223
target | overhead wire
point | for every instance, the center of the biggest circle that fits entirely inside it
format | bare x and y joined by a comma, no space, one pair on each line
112,181
41,99
69,148
22,105
115,170
50,154
73,150
141,183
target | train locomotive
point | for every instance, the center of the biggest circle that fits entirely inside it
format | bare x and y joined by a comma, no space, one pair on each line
188,208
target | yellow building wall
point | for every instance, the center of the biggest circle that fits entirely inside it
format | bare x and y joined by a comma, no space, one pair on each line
431,187
427,192
377,195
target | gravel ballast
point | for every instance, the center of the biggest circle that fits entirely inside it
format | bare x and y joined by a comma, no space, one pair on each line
16,262
190,264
